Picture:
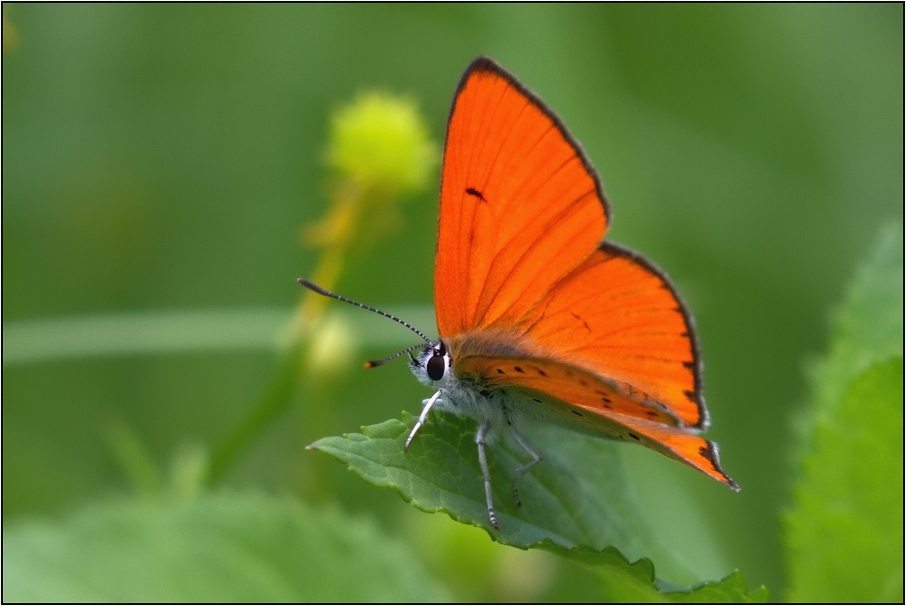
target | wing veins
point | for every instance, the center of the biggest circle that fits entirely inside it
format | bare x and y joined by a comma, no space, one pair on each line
506,137
515,193
615,299
485,118
475,214
564,213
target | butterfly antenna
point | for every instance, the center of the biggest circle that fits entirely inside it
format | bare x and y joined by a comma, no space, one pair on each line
373,363
327,293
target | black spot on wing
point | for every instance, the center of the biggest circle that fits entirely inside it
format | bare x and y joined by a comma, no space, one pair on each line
474,192
484,64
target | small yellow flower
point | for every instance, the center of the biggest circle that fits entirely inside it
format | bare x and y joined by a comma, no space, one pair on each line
380,141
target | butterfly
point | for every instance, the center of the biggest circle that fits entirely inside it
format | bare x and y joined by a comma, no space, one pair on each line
541,320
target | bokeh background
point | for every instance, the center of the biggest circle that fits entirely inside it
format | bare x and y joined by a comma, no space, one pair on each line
160,161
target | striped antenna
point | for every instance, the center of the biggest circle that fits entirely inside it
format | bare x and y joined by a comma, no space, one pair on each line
327,293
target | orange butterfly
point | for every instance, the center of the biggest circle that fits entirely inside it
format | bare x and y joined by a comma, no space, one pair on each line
539,319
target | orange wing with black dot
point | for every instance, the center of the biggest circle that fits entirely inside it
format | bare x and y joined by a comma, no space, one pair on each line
519,204
530,298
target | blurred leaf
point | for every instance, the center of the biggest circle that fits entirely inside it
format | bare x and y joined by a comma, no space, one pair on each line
868,327
844,534
221,548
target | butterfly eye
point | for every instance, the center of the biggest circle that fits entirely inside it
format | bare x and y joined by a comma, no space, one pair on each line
436,366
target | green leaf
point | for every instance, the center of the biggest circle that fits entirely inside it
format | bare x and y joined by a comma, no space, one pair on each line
868,327
219,548
635,582
730,589
577,496
845,533
577,503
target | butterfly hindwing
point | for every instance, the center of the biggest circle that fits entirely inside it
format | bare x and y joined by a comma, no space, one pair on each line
678,444
581,389
618,315
580,398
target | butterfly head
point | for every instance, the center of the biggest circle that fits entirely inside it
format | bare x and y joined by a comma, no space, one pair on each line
432,364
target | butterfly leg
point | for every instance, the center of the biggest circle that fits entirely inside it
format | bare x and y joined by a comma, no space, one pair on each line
485,474
423,416
536,458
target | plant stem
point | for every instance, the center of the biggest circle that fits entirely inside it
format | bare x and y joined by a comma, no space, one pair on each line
272,403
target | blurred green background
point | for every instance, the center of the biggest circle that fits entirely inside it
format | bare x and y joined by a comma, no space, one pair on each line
160,161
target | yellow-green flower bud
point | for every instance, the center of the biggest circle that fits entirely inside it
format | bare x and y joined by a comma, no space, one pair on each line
380,141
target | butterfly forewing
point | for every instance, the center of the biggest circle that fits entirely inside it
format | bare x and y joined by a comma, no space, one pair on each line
519,206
